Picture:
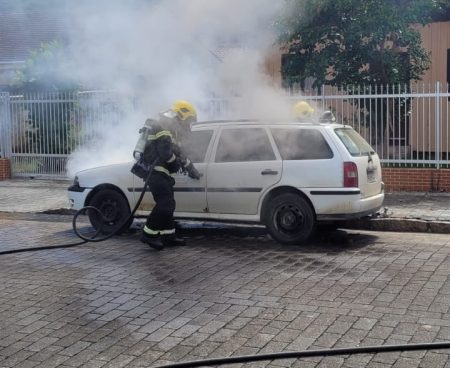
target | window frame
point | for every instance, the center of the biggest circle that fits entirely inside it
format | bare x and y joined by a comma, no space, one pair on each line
319,131
272,145
208,147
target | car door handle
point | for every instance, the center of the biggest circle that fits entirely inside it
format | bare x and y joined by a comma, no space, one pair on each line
269,172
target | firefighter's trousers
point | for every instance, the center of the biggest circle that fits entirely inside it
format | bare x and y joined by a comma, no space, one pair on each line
160,221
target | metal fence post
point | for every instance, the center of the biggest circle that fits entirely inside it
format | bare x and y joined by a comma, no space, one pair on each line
5,125
438,125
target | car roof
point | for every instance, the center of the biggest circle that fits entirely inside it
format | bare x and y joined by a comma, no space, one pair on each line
243,122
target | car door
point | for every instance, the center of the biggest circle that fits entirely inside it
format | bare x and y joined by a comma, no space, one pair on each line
242,167
190,194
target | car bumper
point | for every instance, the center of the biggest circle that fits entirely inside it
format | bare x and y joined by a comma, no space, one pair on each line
335,207
77,198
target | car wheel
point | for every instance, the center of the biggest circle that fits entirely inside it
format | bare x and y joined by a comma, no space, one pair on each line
115,210
290,219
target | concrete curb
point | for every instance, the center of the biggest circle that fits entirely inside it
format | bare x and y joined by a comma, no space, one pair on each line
399,225
374,224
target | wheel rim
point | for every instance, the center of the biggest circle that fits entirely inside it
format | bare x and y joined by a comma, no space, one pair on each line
289,218
110,211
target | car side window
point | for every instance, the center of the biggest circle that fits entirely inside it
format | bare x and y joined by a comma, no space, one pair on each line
247,144
301,144
196,145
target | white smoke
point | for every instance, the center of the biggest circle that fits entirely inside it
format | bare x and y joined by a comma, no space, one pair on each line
172,49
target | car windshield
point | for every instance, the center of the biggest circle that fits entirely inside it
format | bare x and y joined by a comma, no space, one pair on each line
355,144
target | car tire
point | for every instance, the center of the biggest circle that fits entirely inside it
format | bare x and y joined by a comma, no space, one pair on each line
114,207
290,219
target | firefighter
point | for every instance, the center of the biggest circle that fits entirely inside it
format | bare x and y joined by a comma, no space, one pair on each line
327,117
159,229
302,111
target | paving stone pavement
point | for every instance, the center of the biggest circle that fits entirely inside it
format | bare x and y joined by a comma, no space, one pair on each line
120,304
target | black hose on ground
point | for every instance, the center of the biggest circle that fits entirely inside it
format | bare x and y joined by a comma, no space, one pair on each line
97,232
308,353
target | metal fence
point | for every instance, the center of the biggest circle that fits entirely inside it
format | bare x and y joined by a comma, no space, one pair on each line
406,125
39,130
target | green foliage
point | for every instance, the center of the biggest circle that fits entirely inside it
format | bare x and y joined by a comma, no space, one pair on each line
353,42
51,117
48,87
48,68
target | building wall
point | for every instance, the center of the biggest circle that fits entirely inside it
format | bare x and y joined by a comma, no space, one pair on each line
436,40
416,180
272,66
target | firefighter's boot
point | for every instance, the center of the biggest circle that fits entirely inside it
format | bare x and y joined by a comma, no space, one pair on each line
173,240
152,241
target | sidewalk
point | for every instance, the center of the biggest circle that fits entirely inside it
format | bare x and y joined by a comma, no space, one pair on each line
402,211
411,212
33,195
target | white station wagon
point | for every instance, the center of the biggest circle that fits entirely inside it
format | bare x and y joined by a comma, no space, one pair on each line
288,176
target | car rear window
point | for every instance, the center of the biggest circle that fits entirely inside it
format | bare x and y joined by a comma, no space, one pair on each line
247,144
355,144
301,144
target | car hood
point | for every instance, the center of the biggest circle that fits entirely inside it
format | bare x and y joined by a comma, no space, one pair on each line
114,174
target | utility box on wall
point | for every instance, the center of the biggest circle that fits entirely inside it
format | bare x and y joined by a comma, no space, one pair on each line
5,168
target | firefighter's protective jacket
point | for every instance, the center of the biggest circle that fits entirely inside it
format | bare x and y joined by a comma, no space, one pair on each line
161,146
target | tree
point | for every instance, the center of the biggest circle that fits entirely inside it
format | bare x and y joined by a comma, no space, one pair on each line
47,68
353,42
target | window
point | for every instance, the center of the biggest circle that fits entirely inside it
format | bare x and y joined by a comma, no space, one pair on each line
237,145
355,144
301,144
196,145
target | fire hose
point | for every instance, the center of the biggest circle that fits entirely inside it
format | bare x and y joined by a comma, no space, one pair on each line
308,353
94,237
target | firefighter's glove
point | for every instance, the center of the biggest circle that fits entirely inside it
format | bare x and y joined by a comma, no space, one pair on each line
193,172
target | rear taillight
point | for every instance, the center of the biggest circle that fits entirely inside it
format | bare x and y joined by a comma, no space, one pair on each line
350,175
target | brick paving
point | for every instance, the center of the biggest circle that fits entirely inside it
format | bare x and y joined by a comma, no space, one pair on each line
120,304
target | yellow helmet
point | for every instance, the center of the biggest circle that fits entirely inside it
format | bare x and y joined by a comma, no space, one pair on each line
184,110
302,109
